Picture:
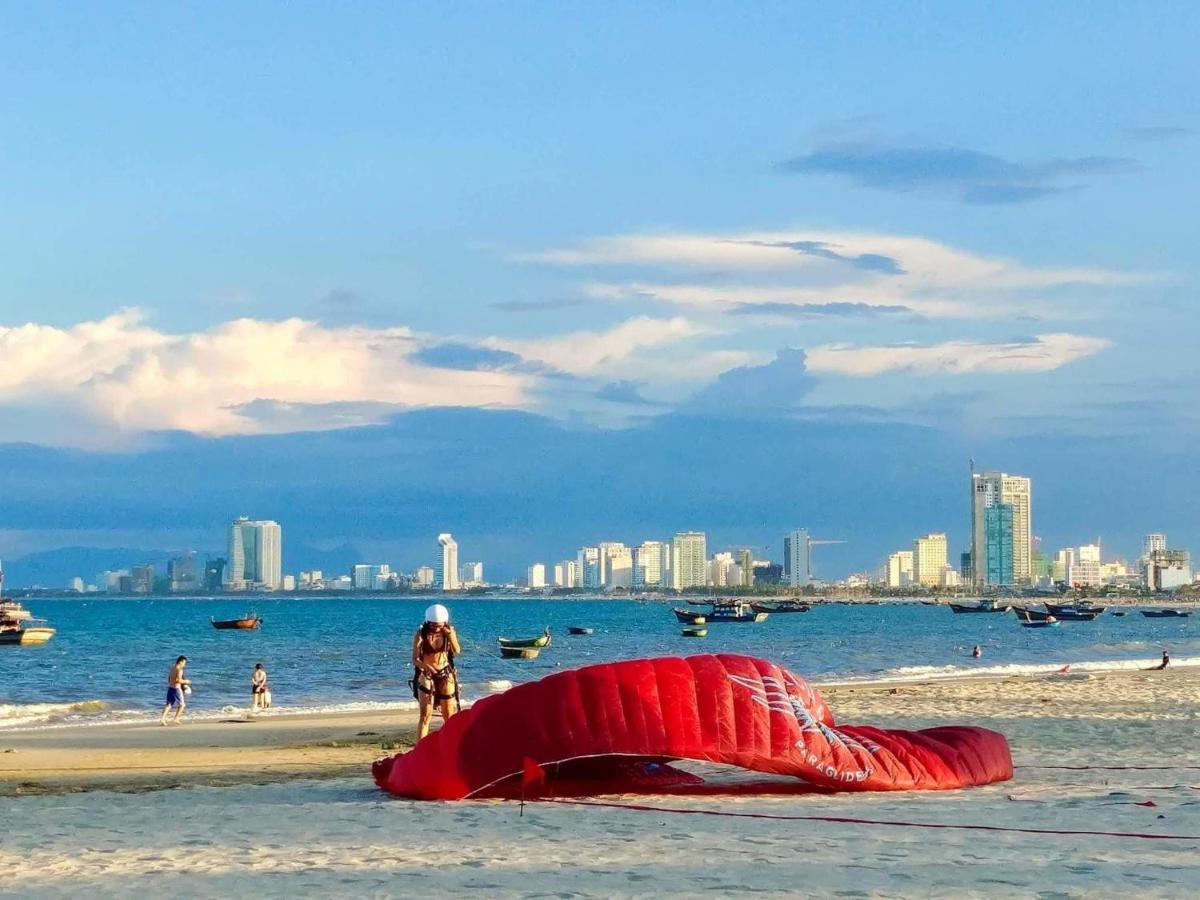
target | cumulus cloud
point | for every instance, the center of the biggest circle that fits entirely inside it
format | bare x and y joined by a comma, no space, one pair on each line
777,386
968,175
1042,353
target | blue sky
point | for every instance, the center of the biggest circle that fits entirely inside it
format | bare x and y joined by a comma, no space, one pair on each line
242,224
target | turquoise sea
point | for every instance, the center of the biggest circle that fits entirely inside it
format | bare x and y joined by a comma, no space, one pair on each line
110,656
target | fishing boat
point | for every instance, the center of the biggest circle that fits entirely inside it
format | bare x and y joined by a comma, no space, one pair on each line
1119,613
695,631
1025,614
25,632
1083,611
689,616
245,623
983,606
1046,623
1166,613
735,612
783,606
578,629
12,609
520,652
537,643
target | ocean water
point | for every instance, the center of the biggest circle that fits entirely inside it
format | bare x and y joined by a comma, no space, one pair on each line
110,657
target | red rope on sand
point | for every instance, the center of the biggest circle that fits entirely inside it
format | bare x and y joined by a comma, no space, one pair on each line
847,820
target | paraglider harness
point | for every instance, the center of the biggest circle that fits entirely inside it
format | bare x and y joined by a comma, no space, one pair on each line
438,679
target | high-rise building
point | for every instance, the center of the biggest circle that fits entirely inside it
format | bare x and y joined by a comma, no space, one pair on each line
649,563
181,572
929,559
797,558
142,578
991,489
423,577
446,568
720,569
1167,570
689,560
536,576
566,574
76,585
998,545
255,554
616,563
745,561
1152,542
900,569
214,574
471,574
590,571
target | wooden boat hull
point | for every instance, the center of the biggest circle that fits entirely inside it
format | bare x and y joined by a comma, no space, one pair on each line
526,643
1166,613
520,652
689,616
780,607
576,629
249,623
1032,615
737,617
695,631
960,608
27,637
1039,624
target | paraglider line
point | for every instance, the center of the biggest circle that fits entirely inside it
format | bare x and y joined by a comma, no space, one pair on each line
847,820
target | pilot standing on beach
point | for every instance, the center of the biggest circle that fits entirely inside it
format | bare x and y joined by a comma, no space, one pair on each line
434,680
177,686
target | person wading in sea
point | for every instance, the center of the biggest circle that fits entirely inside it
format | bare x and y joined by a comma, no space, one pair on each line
435,681
177,686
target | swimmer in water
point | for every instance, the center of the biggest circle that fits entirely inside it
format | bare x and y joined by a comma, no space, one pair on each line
977,652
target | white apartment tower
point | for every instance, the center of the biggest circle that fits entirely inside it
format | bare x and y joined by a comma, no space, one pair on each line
689,560
649,564
536,576
900,569
445,575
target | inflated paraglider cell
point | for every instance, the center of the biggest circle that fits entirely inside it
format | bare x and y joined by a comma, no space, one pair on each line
620,727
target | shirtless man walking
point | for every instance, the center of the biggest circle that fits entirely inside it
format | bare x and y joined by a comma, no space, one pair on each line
434,647
176,683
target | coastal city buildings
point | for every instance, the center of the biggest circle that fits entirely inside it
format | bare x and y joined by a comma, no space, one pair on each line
423,577
471,574
182,574
900,569
446,568
1168,570
929,559
566,574
1153,542
1001,529
649,564
536,576
689,560
255,555
797,558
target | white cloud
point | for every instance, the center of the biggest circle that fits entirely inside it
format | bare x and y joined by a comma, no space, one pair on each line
819,267
119,376
1043,353
601,352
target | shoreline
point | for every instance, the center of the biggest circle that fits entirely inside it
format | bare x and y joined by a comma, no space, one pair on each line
235,750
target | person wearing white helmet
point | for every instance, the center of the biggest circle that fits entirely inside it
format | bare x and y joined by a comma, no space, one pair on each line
435,681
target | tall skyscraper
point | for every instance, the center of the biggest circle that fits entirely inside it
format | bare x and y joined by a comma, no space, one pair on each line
255,554
616,562
745,561
536,576
689,560
590,571
993,489
446,570
649,563
470,574
998,545
929,559
797,558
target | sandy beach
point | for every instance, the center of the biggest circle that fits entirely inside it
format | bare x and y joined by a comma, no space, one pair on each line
285,804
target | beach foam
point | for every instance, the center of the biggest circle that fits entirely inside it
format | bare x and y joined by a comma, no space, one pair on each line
1002,670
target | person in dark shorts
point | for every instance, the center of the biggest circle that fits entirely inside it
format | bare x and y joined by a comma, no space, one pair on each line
177,686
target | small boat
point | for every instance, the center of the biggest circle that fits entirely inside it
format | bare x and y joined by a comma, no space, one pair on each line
1119,613
245,623
12,609
1084,611
538,643
25,632
1166,613
983,606
735,612
689,616
520,652
1032,615
783,606
1041,623
578,629
695,631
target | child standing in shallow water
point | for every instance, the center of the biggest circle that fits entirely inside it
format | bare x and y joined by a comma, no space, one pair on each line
259,688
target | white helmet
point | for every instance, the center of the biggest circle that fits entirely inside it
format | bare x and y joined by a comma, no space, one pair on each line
437,614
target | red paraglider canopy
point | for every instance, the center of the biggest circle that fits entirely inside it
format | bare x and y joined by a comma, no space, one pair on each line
615,727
